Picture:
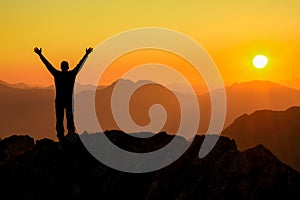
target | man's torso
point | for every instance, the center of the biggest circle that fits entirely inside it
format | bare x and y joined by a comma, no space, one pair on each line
64,85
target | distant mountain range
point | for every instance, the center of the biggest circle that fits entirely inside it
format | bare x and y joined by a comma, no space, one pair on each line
27,111
277,130
243,98
15,85
31,110
45,169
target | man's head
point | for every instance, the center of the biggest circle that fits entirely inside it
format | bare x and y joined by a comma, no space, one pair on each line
64,66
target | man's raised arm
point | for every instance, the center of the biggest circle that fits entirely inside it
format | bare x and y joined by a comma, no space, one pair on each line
51,69
81,62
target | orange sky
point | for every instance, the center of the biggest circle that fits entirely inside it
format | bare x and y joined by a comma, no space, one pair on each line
232,32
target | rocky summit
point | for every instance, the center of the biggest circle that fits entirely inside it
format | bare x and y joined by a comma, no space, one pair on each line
45,169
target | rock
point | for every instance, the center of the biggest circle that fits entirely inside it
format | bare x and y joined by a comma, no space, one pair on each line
51,170
14,146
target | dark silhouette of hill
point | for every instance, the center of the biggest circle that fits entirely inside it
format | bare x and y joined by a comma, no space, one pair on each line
14,146
151,141
279,131
48,170
21,109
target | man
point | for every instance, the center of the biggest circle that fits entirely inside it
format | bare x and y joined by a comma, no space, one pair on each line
64,85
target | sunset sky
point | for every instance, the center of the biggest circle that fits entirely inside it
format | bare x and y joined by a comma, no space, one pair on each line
232,32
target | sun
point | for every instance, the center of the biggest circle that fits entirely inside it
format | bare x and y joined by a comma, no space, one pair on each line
260,61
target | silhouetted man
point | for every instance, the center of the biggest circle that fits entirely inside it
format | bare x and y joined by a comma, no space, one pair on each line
64,85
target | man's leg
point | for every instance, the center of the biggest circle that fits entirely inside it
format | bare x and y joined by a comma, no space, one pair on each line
59,110
70,118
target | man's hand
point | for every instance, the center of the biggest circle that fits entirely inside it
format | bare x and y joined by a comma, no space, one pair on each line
89,50
38,51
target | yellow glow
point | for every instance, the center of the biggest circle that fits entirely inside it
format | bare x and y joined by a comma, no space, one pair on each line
65,28
260,61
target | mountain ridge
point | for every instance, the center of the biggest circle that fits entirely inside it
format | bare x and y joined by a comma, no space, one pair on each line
22,85
21,109
48,170
277,130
